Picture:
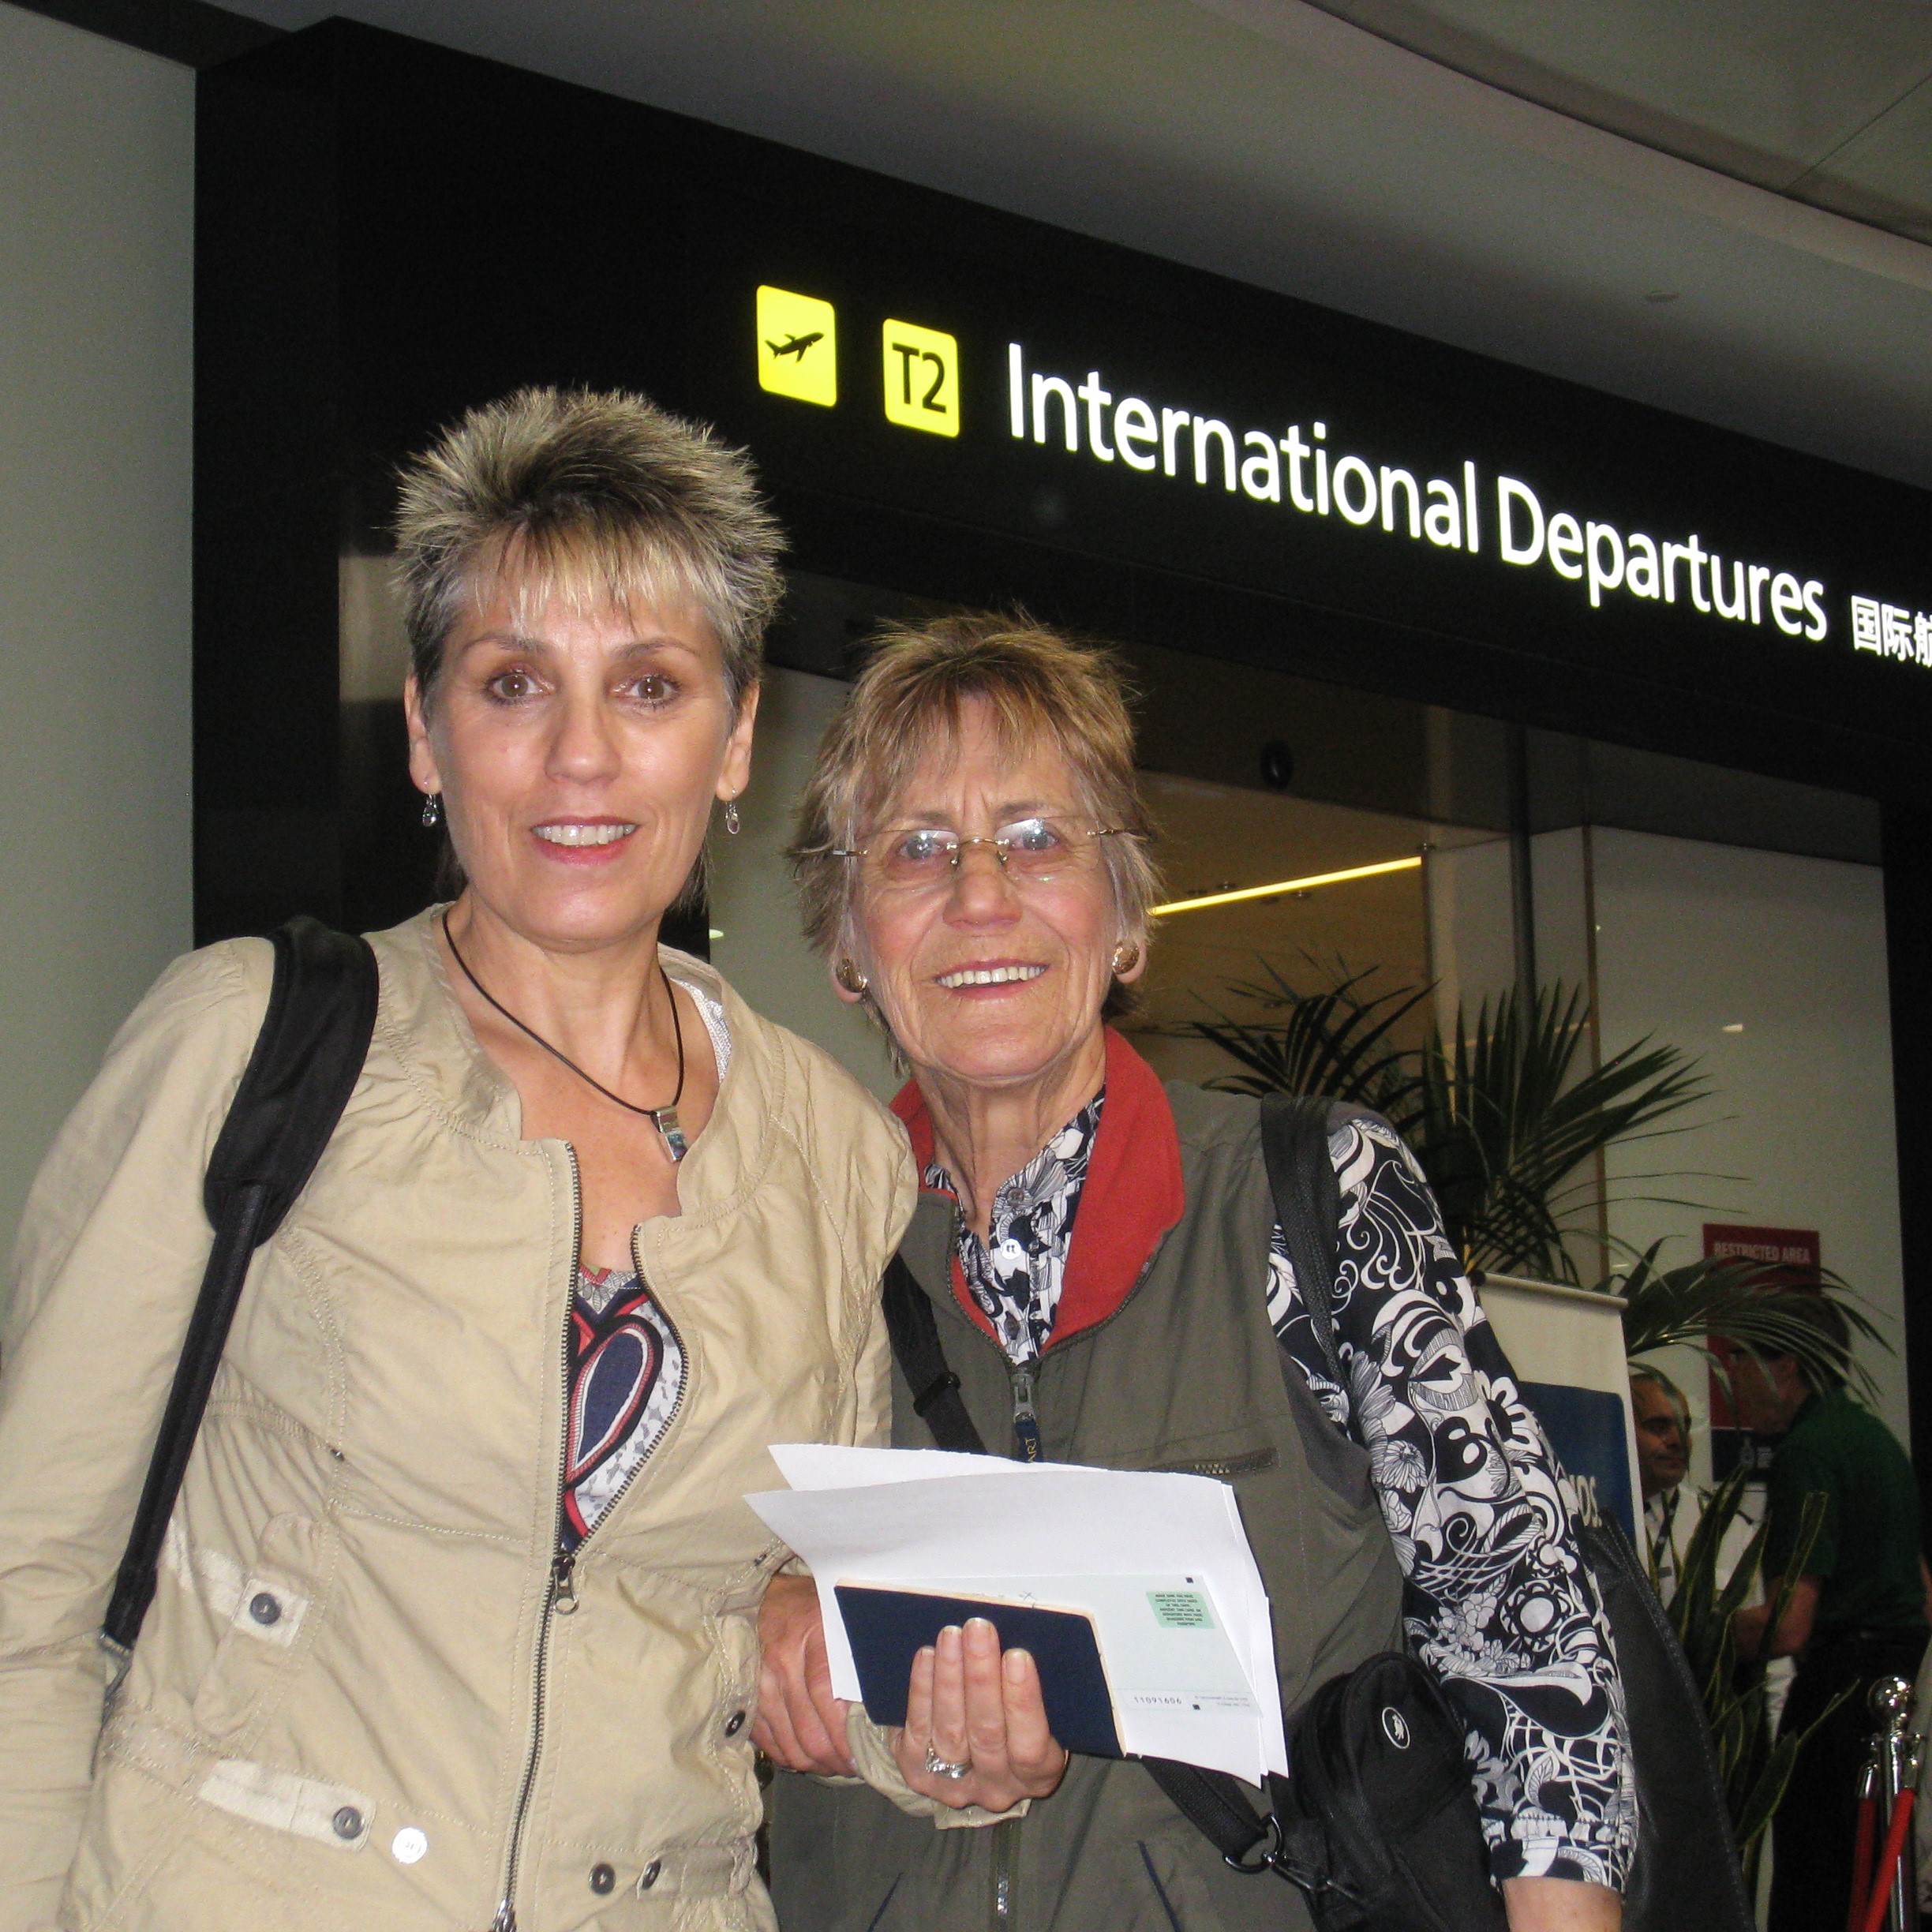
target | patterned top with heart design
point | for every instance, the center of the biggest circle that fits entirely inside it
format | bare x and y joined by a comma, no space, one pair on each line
627,1372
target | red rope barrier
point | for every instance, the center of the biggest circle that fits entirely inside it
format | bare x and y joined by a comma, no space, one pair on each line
1888,1862
1861,1861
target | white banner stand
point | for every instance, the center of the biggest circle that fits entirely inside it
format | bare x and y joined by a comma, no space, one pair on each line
1566,1347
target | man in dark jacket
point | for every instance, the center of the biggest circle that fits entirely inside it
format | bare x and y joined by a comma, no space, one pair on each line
1858,1609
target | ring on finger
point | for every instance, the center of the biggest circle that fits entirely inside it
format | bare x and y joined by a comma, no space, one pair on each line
944,1767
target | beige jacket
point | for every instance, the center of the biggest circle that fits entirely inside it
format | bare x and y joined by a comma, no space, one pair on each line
357,1702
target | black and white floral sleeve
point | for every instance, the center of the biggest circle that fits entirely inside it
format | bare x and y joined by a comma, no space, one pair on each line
1497,1600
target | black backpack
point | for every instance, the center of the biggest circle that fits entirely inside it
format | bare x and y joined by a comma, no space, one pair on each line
314,1038
1377,1823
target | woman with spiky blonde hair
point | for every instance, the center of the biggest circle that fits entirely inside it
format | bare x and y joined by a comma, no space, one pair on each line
456,1623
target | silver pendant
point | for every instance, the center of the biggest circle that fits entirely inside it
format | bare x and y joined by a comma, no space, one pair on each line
665,1120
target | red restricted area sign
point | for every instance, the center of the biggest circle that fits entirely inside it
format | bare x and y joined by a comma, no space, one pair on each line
1791,1259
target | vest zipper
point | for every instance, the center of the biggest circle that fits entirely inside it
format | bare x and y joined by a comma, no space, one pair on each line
561,1598
1025,1418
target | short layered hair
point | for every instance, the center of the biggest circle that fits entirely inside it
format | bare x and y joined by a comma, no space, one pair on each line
1041,688
597,497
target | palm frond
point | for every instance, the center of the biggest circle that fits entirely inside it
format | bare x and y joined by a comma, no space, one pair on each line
1752,1304
1339,1042
1508,1119
1754,1766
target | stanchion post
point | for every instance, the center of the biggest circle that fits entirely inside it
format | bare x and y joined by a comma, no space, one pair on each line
1895,1754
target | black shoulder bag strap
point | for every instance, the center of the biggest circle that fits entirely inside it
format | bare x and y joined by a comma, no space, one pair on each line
914,1330
1308,1205
307,1057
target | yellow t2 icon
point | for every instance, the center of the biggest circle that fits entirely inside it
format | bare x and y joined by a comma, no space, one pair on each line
922,379
797,346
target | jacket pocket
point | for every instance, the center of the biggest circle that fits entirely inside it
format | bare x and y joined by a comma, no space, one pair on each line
267,1609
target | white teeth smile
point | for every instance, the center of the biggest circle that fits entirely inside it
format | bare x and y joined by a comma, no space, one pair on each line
990,976
584,834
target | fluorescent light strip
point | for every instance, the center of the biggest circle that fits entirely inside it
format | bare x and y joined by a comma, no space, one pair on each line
1288,886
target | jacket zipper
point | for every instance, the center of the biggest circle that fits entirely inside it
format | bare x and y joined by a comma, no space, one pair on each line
561,1598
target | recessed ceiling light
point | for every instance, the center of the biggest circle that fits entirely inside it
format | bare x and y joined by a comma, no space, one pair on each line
1296,886
1736,1026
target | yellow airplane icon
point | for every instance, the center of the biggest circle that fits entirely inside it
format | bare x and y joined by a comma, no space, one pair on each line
797,346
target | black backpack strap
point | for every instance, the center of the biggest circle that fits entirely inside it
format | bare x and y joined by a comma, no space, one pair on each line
307,1057
1308,1205
914,1330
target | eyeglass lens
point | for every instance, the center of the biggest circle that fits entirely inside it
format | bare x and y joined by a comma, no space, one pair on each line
1034,849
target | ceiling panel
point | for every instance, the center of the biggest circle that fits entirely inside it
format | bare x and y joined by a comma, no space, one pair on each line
1762,89
1884,174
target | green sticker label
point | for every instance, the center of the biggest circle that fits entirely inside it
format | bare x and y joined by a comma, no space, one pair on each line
1181,1610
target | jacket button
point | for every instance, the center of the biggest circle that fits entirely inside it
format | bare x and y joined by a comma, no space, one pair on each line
265,1607
648,1877
603,1879
734,1724
347,1822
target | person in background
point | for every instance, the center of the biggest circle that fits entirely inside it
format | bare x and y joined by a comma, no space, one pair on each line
1104,1262
1663,1420
457,1625
1858,1606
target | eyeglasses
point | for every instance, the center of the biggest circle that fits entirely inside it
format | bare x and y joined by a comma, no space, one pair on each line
1031,852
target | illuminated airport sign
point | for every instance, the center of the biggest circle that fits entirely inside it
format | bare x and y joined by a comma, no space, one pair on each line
1300,468
1075,420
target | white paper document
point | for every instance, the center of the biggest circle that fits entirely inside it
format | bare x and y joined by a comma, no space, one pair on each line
1159,1562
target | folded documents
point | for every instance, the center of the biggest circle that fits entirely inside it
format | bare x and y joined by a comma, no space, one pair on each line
1136,1591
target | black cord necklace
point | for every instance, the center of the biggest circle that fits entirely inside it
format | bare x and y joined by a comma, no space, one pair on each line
664,1118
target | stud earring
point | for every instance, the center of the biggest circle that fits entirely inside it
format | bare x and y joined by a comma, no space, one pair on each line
731,817
432,809
1126,957
848,976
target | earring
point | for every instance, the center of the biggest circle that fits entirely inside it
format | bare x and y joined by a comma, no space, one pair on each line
432,809
849,976
1126,957
731,817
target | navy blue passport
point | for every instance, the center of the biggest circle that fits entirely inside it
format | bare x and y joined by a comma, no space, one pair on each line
887,1629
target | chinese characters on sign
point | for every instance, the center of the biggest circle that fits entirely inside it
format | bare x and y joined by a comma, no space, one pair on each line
1891,630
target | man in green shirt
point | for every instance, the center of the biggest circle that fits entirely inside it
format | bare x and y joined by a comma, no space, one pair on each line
1858,1609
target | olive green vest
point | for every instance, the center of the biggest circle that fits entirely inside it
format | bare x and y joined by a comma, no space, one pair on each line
1187,1375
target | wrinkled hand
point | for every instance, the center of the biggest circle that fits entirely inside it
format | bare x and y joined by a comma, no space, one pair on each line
970,1705
800,1724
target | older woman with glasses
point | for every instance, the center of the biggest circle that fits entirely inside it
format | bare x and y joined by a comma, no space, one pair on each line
1110,1287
